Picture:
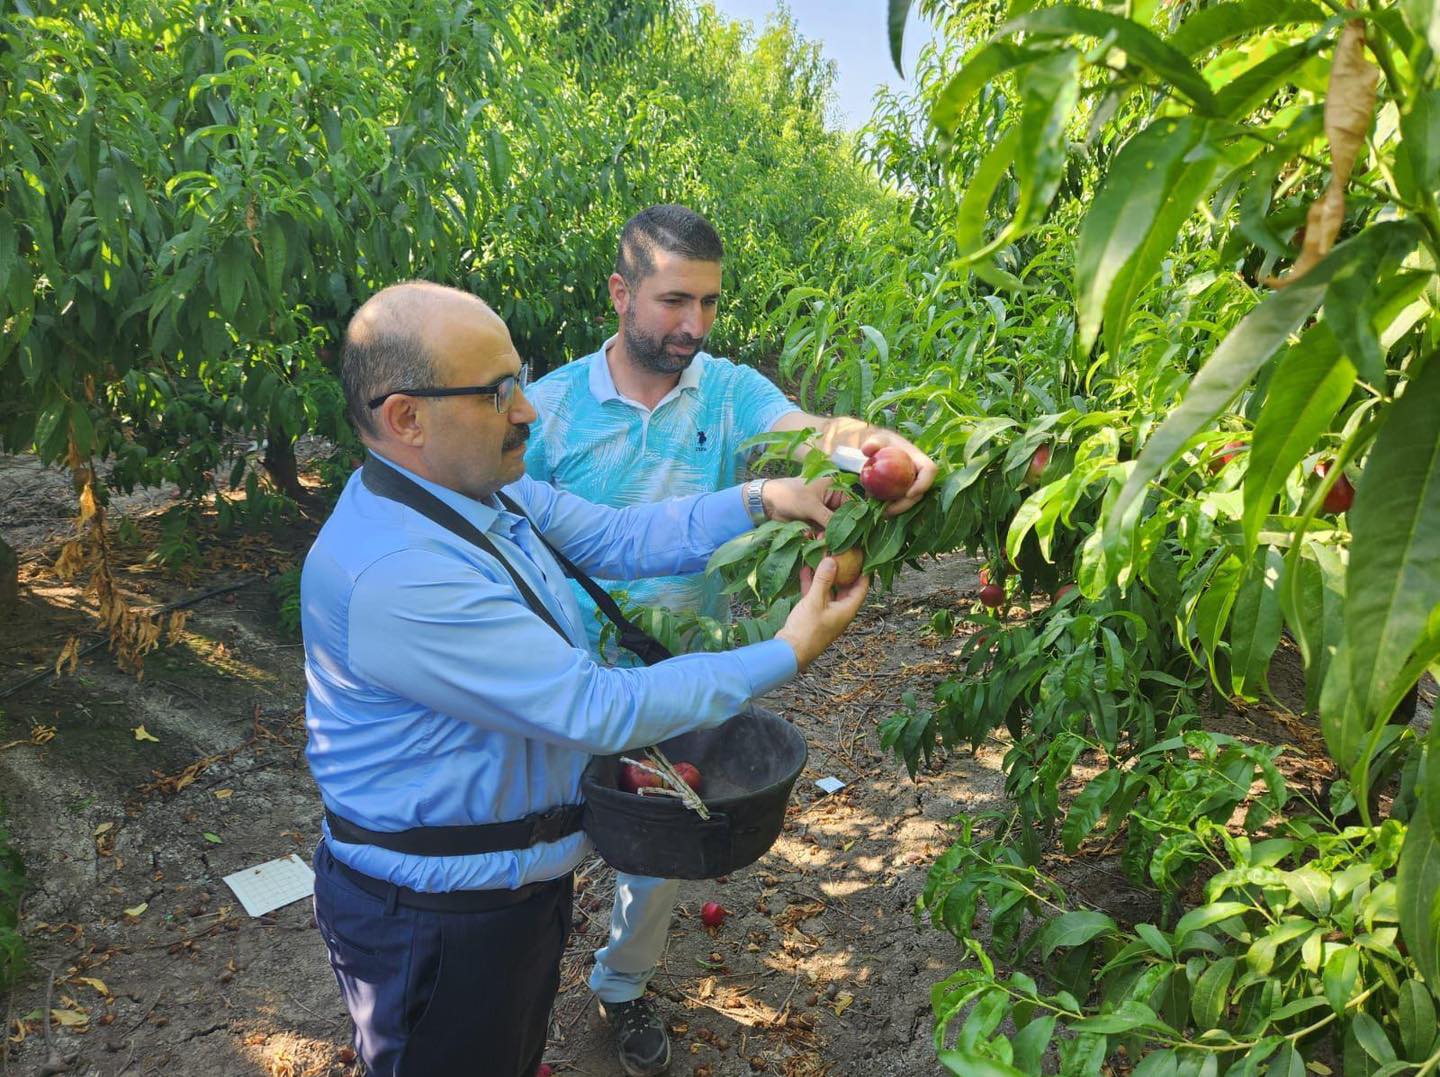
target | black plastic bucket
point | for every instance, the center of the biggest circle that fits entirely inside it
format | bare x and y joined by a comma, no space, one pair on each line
748,765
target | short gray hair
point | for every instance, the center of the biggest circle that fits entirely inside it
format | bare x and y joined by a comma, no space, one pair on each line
383,352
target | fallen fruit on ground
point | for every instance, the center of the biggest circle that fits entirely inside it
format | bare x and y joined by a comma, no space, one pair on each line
633,778
712,914
689,774
888,474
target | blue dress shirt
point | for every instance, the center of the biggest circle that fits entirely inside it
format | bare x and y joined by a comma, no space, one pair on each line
436,697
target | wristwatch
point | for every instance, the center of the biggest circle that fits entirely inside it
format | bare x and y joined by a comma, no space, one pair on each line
755,500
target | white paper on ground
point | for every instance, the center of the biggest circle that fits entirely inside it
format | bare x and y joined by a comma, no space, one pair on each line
266,887
830,784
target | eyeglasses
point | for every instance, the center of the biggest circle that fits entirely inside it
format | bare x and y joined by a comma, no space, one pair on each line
503,390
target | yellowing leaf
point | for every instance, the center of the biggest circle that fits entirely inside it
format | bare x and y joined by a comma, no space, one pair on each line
70,1018
136,910
1320,1068
141,733
842,1003
223,794
104,828
848,845
99,985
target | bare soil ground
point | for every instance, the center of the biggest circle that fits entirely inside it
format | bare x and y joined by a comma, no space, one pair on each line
148,964
131,799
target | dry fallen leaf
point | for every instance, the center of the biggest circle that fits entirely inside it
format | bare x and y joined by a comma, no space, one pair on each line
99,985
1349,108
221,794
142,734
104,828
136,910
70,1018
842,1003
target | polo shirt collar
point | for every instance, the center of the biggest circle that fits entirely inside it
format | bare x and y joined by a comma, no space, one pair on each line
602,385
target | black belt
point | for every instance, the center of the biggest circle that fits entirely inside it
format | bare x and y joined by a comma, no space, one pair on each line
549,825
448,901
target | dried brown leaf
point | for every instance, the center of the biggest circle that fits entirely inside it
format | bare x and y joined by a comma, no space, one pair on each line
1349,108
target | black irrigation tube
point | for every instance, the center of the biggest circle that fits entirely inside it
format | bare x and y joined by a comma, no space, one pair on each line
169,607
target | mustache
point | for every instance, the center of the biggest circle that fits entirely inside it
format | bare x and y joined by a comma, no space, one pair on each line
518,435
685,341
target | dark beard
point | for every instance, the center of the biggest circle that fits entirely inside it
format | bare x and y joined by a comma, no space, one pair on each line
650,353
518,434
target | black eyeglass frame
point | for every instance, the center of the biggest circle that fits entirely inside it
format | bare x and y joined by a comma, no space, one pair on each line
499,389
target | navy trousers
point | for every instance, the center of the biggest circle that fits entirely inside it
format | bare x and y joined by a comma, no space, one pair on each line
444,994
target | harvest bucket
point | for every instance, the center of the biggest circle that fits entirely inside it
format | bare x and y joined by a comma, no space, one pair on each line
748,765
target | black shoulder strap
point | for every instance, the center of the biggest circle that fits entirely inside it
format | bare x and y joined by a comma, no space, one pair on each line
632,637
384,481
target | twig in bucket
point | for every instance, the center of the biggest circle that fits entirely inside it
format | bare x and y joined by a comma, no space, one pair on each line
679,787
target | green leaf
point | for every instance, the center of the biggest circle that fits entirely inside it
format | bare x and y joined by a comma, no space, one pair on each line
1372,1038
1416,1014
1073,929
1140,45
1206,915
1342,970
1420,130
1129,1016
1242,353
1393,582
1156,939
1211,993
1085,810
1031,1042
1287,1063
1423,16
232,265
979,69
1156,1064
899,12
1208,27
9,250
1310,384
1124,211
1255,621
1048,96
970,1064
1418,880
974,211
213,839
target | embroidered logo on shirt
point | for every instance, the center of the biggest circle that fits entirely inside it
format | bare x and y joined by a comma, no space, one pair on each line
700,445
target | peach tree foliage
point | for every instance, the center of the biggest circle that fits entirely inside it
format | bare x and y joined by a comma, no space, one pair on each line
194,198
1156,232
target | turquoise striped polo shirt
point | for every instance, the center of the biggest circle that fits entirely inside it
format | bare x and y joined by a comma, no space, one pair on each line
594,442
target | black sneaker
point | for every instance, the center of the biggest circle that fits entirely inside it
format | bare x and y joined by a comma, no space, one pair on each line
640,1037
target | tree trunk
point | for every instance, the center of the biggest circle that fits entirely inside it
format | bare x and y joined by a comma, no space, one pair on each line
9,577
280,465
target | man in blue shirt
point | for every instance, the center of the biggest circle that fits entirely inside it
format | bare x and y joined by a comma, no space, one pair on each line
649,416
451,701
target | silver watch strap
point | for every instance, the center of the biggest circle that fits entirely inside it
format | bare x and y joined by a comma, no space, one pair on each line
755,500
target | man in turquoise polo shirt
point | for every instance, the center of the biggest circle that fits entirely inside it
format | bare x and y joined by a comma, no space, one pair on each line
650,416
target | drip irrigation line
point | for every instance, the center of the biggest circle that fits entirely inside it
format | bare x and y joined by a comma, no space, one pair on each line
169,607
